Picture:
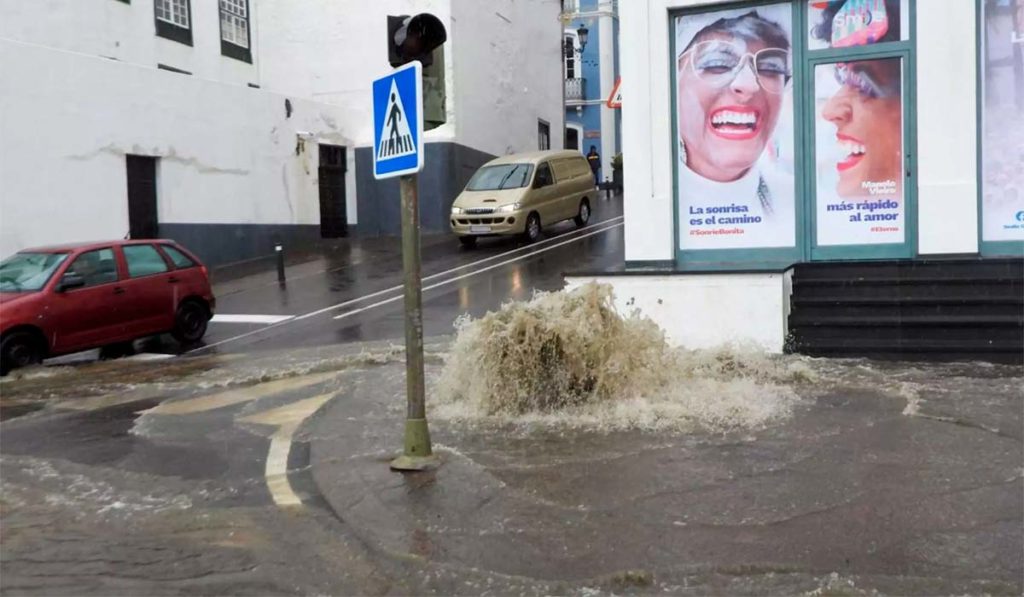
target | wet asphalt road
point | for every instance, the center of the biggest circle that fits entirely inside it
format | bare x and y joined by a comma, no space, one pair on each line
354,294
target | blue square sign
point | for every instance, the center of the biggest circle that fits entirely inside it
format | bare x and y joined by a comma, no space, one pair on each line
398,122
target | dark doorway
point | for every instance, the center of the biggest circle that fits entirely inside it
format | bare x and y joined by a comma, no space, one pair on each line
572,139
142,214
333,221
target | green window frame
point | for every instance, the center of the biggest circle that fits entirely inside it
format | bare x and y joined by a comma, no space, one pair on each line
804,60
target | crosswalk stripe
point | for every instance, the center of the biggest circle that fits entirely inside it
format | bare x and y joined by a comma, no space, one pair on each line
266,319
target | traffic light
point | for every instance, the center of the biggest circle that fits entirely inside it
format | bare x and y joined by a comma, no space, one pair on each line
421,37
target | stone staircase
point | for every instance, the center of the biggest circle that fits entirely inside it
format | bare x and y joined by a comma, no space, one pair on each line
942,310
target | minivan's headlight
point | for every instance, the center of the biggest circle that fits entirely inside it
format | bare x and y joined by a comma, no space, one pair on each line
457,210
511,207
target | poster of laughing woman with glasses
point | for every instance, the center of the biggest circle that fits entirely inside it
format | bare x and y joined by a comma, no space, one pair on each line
735,134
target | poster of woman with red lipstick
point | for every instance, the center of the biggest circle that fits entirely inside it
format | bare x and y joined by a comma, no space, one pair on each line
859,136
735,129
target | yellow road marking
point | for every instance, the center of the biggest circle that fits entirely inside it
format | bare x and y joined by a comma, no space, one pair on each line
287,418
238,395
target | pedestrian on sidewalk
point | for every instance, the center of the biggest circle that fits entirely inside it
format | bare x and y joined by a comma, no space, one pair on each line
594,159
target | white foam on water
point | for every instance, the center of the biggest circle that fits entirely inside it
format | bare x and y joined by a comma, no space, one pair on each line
569,359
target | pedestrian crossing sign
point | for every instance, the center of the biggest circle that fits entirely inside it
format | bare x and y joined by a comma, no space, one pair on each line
398,122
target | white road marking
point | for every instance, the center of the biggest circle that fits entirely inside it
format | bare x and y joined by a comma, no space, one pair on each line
287,418
467,275
265,319
616,222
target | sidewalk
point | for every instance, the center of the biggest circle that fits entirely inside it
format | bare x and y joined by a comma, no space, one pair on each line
870,486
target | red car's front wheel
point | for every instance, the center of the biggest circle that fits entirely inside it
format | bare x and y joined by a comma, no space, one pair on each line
19,349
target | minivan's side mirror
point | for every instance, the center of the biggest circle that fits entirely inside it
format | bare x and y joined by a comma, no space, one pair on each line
70,281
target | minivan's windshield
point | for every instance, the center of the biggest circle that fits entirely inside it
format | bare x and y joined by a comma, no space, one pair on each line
505,176
25,272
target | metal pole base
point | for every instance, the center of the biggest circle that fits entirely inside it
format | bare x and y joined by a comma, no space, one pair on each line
417,456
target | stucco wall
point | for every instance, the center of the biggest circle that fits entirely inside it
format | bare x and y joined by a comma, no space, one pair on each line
508,73
705,311
331,51
127,32
228,153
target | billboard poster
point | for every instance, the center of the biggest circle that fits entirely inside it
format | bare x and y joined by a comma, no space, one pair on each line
859,152
849,23
1002,144
734,135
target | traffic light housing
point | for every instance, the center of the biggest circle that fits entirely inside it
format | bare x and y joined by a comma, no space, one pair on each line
421,37
414,38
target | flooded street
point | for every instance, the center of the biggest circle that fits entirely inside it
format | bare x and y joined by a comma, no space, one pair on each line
747,475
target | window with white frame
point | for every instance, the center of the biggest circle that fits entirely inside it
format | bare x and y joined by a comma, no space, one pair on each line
174,12
234,22
174,20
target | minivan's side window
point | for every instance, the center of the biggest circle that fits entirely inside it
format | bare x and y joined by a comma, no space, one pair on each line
543,177
180,259
143,260
96,267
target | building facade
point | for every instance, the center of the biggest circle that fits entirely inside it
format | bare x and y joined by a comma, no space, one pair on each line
235,124
591,72
778,136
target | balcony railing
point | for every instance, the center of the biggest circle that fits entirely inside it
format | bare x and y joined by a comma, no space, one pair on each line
575,89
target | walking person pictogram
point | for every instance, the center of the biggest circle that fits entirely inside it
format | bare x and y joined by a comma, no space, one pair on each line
395,134
394,117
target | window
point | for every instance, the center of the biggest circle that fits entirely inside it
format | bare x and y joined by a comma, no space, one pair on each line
174,20
26,272
95,267
234,29
143,260
180,259
543,135
544,177
569,53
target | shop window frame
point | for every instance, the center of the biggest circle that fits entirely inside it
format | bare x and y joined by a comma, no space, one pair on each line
991,248
778,259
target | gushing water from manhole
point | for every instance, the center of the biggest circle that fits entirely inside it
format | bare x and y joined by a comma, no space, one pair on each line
571,359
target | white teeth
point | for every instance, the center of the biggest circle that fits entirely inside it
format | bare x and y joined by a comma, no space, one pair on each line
852,148
737,118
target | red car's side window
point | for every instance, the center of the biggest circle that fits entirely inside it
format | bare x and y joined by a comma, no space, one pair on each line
95,267
180,260
143,260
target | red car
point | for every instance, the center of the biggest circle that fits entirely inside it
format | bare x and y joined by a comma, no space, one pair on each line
63,299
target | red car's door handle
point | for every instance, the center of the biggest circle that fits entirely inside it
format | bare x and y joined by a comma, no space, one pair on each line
119,290
172,280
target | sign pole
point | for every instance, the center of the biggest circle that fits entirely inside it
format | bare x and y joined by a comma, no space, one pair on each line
417,455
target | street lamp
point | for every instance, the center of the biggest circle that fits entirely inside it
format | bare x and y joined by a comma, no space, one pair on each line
583,33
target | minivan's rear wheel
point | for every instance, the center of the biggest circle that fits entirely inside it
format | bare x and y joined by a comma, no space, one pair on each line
468,241
190,322
583,216
19,349
532,232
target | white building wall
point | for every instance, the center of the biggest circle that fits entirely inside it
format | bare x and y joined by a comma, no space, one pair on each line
502,61
331,51
229,154
706,311
606,28
507,72
947,130
127,32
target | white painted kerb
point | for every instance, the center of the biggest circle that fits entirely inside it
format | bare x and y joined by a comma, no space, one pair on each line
705,311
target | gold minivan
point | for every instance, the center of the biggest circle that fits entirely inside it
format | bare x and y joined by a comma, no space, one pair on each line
518,194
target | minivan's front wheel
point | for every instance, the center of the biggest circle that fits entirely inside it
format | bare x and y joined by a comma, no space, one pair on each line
19,349
468,241
583,216
532,232
190,322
